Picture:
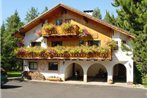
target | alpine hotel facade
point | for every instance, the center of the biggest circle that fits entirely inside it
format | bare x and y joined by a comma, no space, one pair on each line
66,44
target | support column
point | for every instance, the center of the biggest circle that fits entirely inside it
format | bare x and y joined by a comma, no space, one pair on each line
110,75
129,70
63,77
62,70
25,65
85,77
85,73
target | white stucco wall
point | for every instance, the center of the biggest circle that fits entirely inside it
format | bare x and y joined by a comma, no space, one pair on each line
31,36
64,69
119,56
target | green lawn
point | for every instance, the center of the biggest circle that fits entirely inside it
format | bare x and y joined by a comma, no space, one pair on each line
14,74
145,85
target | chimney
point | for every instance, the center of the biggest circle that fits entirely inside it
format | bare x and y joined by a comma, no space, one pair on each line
88,12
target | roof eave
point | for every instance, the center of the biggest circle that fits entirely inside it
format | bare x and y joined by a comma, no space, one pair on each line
115,28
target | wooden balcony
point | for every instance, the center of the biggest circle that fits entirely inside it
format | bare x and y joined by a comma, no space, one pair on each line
65,53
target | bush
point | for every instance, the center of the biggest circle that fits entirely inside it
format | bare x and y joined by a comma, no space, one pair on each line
137,75
48,26
144,79
66,26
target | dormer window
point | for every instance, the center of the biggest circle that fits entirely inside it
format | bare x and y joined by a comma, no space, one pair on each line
67,20
33,44
58,22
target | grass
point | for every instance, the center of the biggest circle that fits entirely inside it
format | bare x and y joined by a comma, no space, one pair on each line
14,74
145,85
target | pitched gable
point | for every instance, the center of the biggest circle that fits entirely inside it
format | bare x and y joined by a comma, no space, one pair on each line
60,9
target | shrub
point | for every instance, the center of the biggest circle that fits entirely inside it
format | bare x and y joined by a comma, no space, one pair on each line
66,26
144,79
48,26
83,32
112,44
124,47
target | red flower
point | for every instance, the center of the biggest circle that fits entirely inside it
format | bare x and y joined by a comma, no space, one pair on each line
39,33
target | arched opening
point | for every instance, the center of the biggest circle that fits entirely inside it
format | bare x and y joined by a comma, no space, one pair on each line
119,73
97,72
74,72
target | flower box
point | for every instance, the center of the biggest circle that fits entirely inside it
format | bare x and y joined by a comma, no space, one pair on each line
54,79
65,52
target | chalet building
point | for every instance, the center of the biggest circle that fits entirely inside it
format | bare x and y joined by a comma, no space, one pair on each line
66,44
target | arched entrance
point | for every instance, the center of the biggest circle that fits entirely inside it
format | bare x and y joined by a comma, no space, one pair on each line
97,72
74,72
119,73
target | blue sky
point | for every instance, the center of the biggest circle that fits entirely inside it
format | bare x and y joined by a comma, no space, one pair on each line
8,7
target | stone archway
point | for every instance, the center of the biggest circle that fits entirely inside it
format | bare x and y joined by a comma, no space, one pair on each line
97,72
74,71
119,73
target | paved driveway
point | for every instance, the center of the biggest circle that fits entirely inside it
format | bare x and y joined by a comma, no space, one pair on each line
16,89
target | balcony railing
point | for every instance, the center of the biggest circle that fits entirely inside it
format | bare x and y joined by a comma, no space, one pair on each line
61,52
65,29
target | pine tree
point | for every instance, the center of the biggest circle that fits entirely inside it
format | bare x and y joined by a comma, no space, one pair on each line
110,18
96,13
3,28
45,9
132,16
2,31
31,14
8,58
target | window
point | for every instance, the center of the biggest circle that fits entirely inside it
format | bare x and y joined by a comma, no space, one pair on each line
116,48
81,42
33,44
53,66
33,65
56,43
67,20
58,22
94,42
124,41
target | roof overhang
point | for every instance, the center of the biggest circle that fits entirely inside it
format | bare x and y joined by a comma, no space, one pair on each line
45,15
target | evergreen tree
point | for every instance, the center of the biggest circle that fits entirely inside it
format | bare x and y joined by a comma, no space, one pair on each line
132,16
110,18
45,9
96,13
31,14
8,58
3,28
2,31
